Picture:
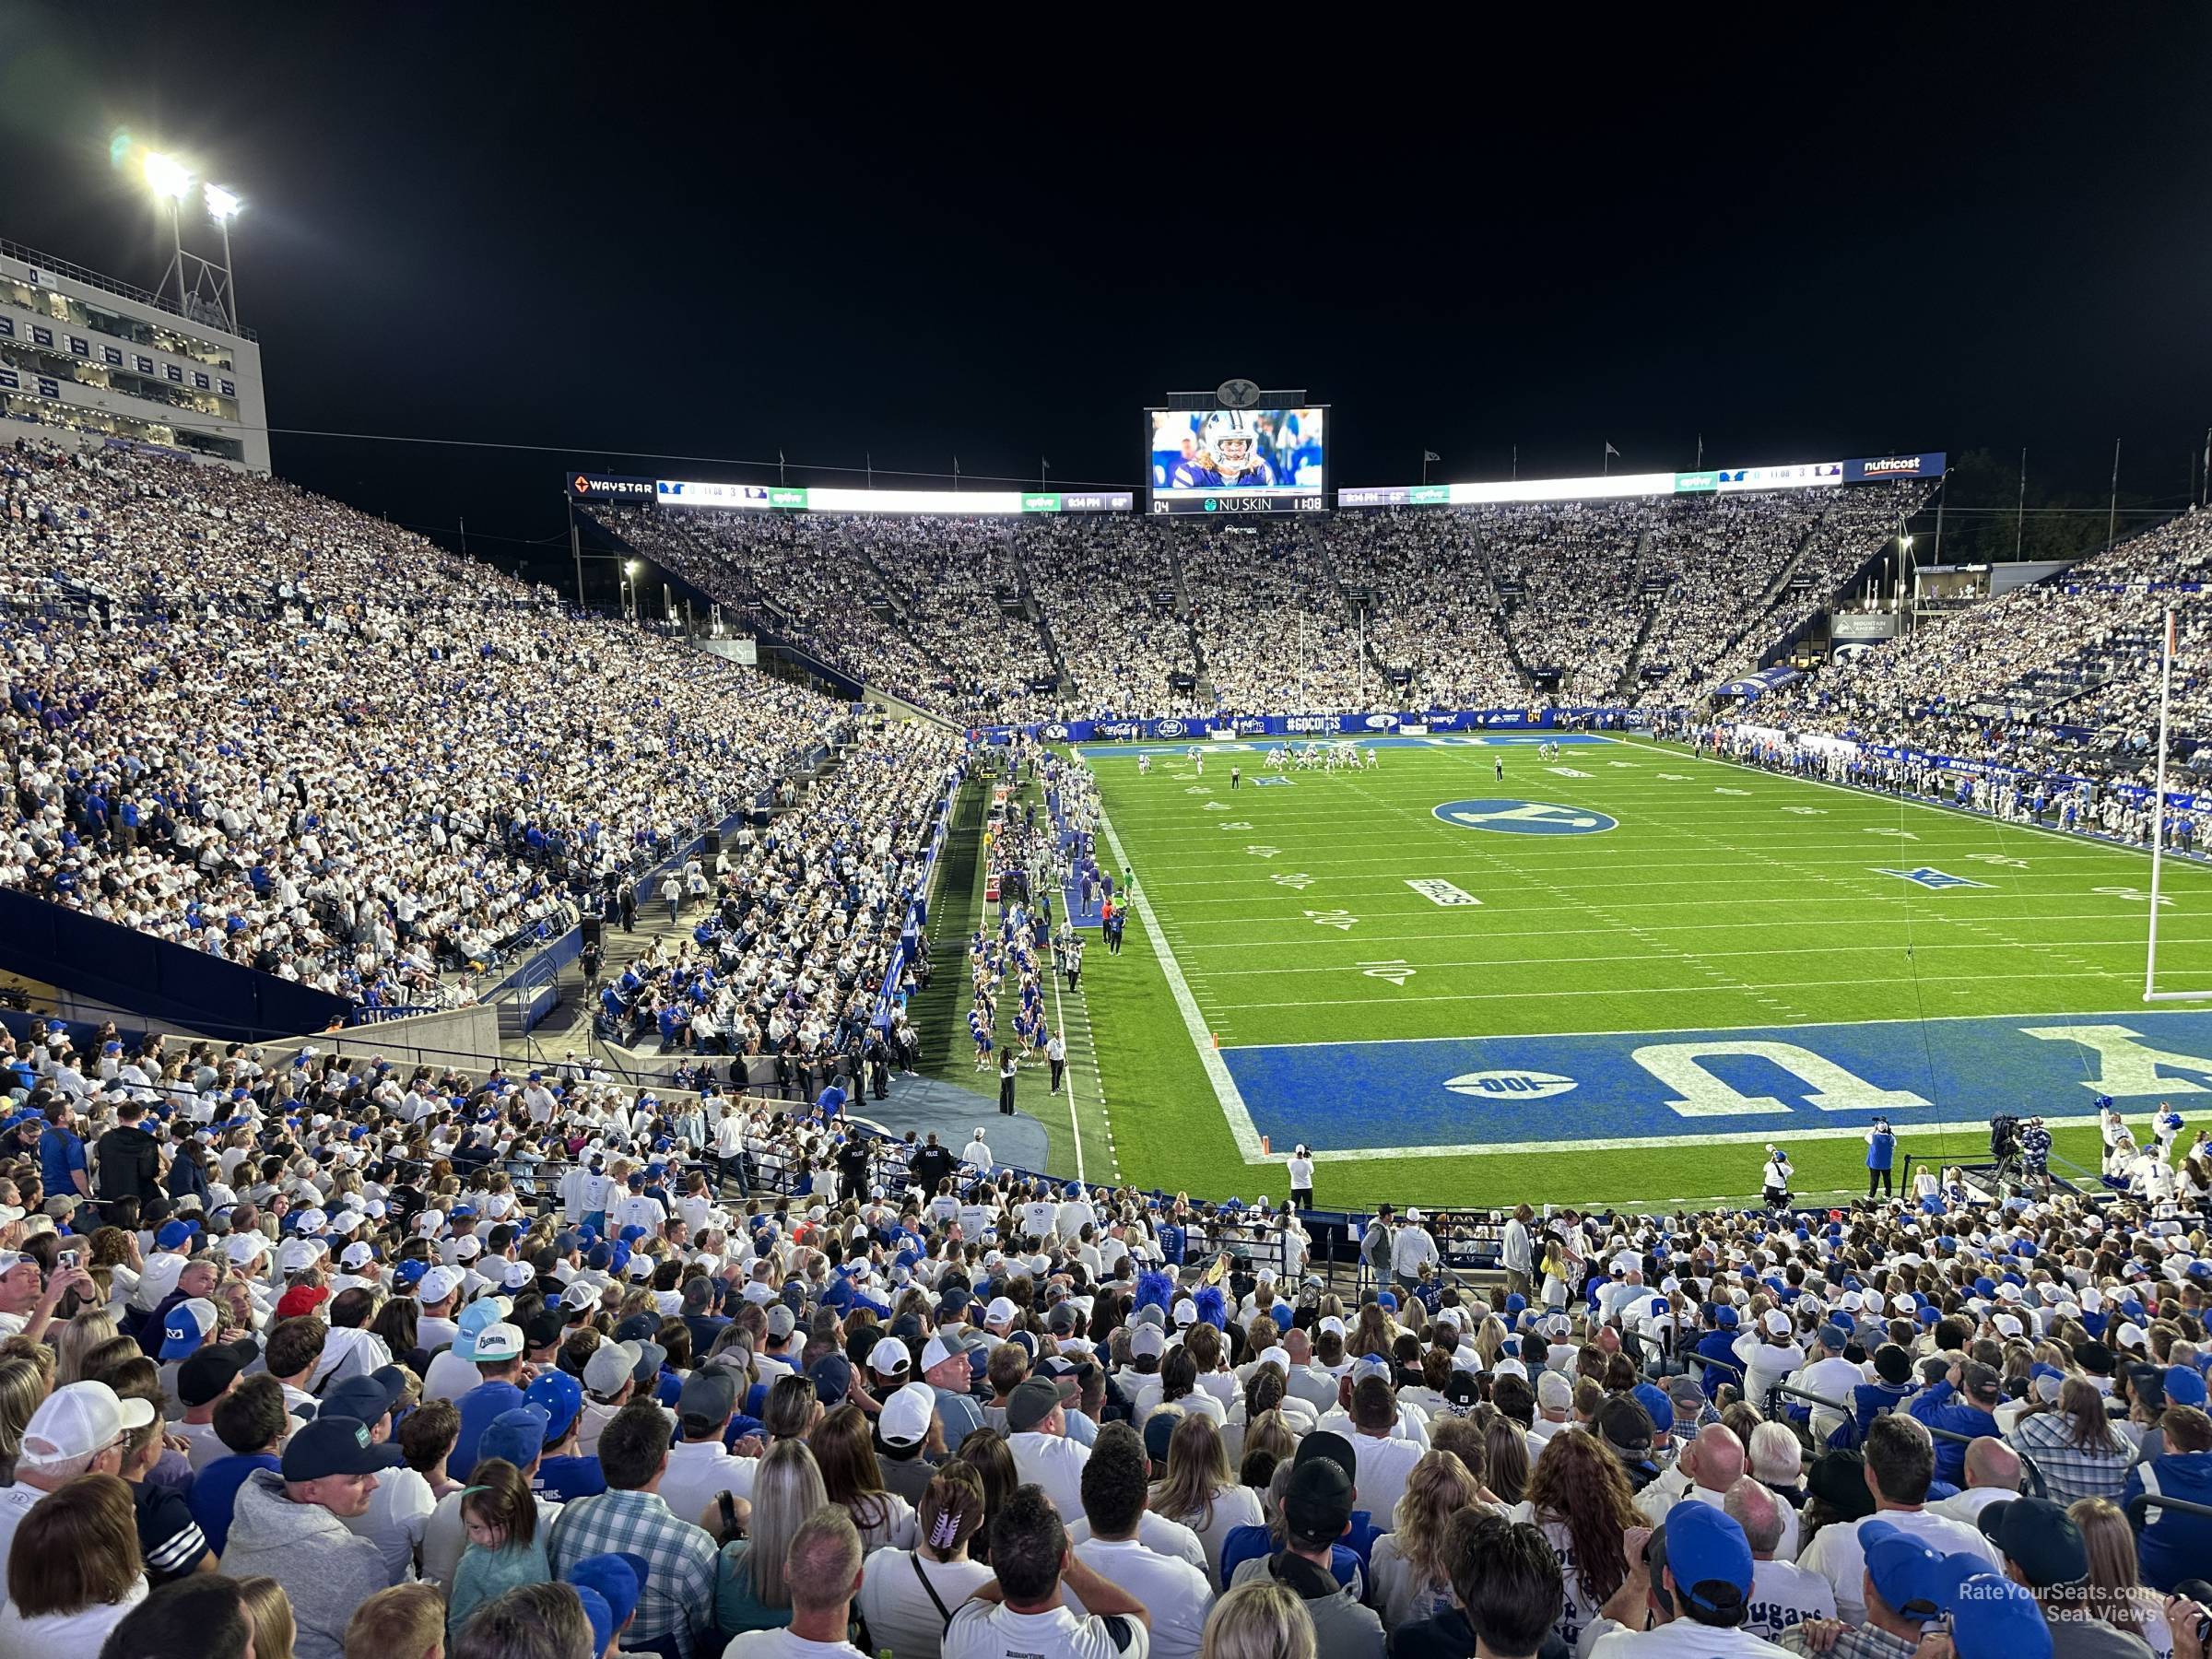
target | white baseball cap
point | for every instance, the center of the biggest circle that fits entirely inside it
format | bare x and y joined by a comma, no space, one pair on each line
937,1350
905,1419
888,1358
243,1248
496,1343
79,1420
437,1284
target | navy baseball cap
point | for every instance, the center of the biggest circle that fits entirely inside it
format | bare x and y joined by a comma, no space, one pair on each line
336,1445
2039,1538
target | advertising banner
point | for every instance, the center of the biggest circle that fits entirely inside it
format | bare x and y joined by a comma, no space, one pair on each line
1872,469
584,485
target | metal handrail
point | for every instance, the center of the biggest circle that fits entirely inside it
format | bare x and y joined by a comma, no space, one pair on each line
2139,1506
2038,1487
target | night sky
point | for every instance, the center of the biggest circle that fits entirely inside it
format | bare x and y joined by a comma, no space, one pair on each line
719,234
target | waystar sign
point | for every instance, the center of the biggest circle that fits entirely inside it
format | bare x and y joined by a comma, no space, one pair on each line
607,487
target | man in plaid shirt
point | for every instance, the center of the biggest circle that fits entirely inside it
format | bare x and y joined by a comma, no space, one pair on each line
676,1615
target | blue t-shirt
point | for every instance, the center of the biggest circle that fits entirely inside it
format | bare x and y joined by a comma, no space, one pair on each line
478,1406
569,1478
215,1493
59,1153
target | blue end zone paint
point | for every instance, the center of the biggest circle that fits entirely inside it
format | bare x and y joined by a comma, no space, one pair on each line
1487,740
1343,1096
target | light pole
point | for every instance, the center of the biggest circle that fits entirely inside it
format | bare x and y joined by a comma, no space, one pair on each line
222,207
630,573
171,180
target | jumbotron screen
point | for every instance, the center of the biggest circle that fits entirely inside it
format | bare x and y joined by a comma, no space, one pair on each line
1238,460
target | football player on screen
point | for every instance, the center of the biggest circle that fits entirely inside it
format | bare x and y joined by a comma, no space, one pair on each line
1229,456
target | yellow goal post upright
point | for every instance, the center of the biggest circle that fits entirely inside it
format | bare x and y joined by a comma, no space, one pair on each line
2151,993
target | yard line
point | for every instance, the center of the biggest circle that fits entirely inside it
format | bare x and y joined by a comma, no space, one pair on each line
1766,986
1661,956
1241,1126
1734,1138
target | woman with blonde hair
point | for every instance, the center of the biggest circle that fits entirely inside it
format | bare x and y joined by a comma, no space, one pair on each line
76,1338
1261,1619
74,1572
1372,1333
907,1597
270,1612
853,1479
23,1389
1505,1458
2115,1590
751,1592
1412,1575
1202,1493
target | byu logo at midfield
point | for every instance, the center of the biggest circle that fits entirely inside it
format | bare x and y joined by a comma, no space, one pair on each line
1525,818
1509,1084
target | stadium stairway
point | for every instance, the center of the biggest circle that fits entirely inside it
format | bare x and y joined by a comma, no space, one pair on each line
1780,584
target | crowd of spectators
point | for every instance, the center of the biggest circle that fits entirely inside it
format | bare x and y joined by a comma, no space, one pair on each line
324,1356
794,924
254,722
1496,607
2058,677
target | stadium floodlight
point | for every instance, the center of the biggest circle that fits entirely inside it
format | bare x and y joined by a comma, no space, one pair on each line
168,176
633,567
222,205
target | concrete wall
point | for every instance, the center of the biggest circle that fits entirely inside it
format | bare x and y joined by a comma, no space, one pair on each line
469,1038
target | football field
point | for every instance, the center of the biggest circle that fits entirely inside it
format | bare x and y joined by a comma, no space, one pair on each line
1472,973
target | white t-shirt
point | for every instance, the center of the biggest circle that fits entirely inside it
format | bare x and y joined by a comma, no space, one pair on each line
1156,1533
1837,1555
1177,1596
58,1633
783,1644
697,1471
399,1510
1784,1594
207,1445
990,1631
15,1501
1054,1463
1384,1462
900,1614
450,1377
1233,1506
1684,1639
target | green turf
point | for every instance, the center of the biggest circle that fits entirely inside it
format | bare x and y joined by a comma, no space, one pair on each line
1726,897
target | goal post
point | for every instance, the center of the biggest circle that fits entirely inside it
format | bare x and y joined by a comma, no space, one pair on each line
2151,993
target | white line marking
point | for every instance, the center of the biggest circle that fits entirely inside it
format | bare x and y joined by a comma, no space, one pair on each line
1483,1149
1240,1127
1074,1128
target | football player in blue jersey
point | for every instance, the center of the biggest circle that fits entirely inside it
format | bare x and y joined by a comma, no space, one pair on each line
1229,456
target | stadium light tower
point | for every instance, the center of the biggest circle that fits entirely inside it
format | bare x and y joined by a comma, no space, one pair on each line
199,286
